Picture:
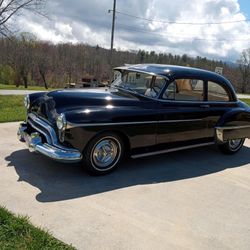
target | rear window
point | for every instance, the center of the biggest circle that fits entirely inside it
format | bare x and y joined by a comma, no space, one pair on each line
216,92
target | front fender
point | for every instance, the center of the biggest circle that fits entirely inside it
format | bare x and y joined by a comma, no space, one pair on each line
138,125
109,114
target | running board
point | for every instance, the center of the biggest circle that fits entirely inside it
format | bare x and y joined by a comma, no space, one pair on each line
172,150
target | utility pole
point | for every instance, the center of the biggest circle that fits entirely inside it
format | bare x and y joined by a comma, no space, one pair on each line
112,39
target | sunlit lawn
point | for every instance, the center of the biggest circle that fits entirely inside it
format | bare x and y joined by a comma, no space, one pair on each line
12,108
247,101
16,232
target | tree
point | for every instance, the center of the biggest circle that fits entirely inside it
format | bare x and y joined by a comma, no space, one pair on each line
7,74
11,8
244,66
24,58
42,59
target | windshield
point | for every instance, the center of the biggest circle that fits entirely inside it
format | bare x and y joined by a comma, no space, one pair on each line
141,83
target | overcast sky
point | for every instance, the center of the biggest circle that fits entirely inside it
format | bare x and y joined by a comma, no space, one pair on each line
88,21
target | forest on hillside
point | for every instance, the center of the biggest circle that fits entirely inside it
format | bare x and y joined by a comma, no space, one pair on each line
24,60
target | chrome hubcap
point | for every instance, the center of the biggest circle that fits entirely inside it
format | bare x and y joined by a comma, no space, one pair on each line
235,144
105,152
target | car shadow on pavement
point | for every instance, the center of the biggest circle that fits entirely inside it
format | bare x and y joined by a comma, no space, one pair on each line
58,181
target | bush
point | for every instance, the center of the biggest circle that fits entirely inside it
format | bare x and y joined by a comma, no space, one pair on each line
7,74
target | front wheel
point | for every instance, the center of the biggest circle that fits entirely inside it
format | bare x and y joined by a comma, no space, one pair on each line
231,146
103,154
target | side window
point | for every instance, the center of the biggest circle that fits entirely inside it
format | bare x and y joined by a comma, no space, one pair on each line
155,87
216,92
169,93
159,82
185,90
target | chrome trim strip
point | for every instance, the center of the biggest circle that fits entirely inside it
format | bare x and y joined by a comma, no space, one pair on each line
187,120
74,125
39,130
172,150
233,127
197,102
45,126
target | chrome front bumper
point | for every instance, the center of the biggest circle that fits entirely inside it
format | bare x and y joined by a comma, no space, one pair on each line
51,148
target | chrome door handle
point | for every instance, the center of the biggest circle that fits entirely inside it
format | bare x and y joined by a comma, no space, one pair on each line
205,106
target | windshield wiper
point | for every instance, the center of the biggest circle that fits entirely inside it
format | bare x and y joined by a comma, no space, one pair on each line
130,89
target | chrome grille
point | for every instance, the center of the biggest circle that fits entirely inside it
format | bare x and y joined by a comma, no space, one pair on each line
45,129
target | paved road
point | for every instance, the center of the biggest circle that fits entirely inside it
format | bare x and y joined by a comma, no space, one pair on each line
243,96
18,92
195,199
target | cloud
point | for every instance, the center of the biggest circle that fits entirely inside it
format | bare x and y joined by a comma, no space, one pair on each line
56,33
89,22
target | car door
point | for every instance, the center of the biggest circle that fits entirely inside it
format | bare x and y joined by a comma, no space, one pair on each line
183,116
218,101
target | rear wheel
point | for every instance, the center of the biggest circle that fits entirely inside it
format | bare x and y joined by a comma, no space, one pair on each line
231,146
103,154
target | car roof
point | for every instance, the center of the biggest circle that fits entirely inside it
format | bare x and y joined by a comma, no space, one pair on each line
174,71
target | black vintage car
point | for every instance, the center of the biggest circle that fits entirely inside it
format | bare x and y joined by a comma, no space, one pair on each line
149,109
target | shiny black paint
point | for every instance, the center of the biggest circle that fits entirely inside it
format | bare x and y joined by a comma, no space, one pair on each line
166,125
138,136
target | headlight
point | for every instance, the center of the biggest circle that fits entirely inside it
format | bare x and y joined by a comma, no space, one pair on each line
27,101
61,122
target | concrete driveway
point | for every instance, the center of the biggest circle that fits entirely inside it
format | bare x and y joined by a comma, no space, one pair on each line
195,199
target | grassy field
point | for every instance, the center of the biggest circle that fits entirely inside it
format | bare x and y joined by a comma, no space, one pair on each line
13,87
16,232
247,101
12,108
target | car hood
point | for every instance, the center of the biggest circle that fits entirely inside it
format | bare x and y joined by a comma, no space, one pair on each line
91,97
50,104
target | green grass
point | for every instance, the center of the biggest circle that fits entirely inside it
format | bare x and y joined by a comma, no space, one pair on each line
16,232
247,101
11,108
13,87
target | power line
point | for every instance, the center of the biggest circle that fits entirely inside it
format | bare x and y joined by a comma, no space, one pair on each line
181,23
132,28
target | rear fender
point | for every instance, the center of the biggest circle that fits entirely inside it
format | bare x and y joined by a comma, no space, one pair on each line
234,124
